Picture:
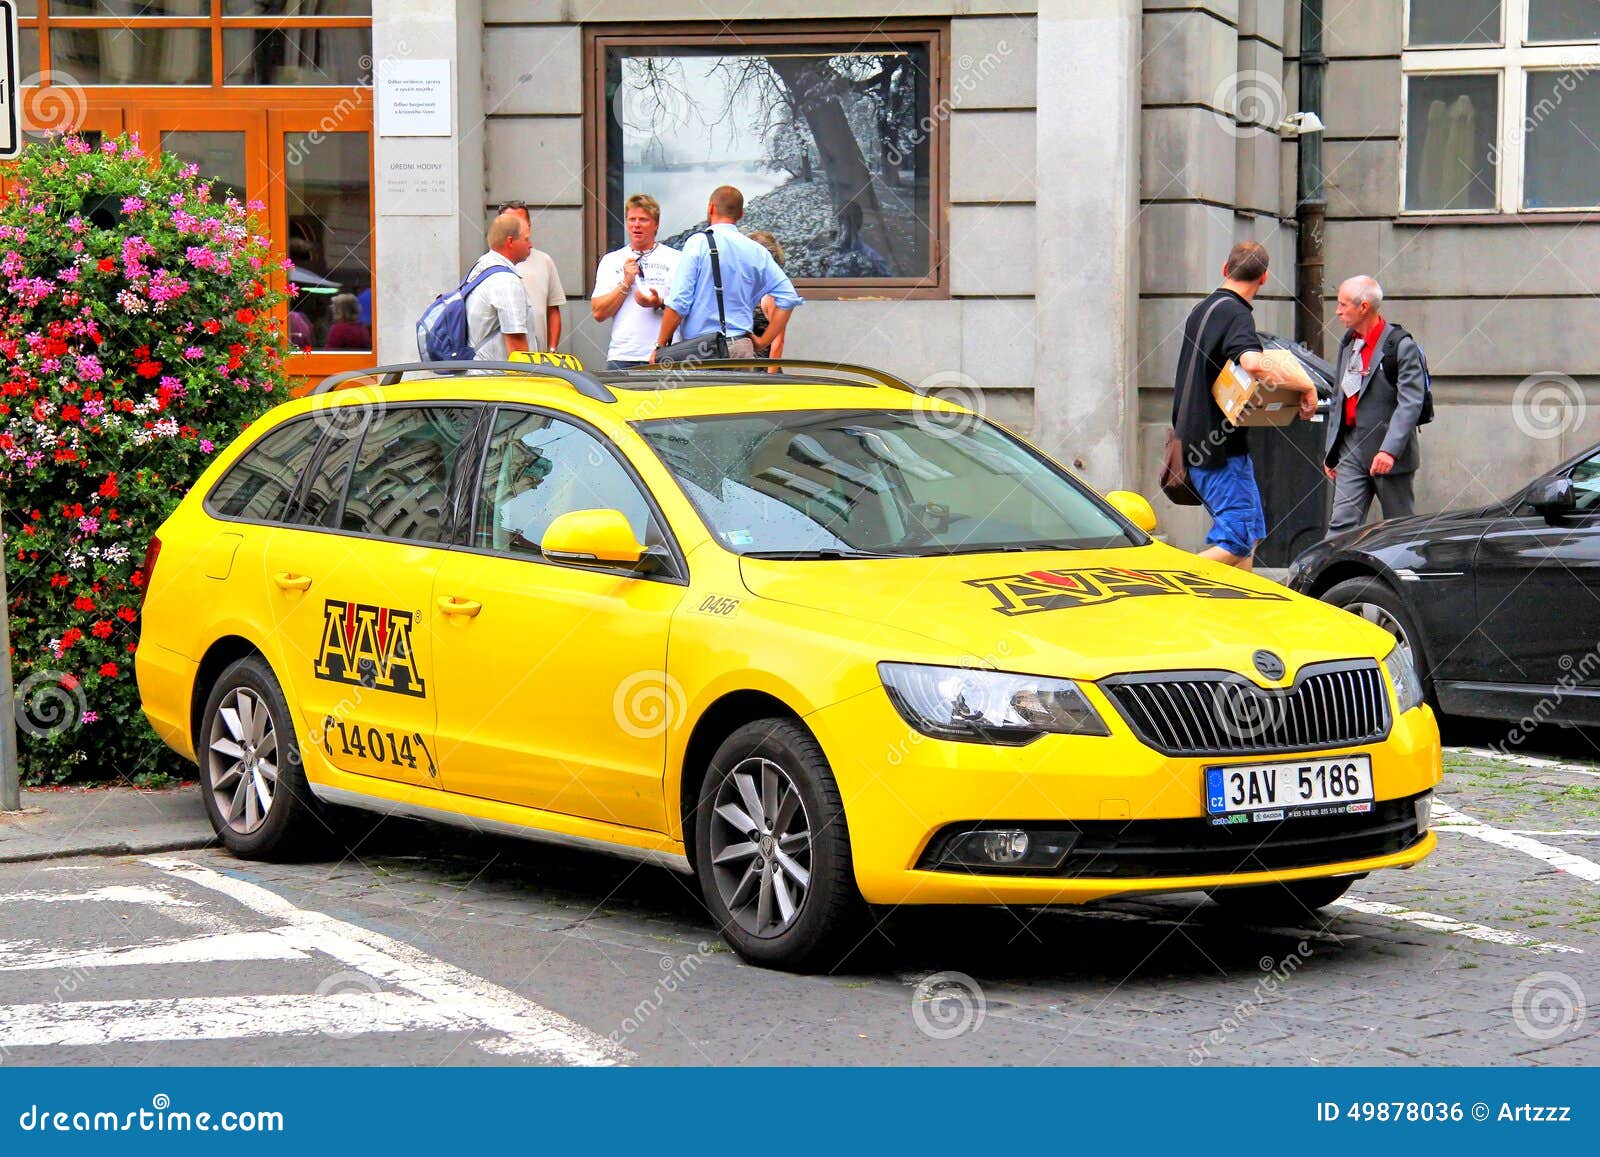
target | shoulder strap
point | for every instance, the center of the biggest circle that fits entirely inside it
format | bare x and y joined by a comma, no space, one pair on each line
1194,365
716,281
472,283
1393,335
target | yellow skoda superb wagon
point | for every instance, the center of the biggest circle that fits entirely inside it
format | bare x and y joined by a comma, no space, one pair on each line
814,638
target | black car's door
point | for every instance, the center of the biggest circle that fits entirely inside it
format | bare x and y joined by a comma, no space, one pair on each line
1539,598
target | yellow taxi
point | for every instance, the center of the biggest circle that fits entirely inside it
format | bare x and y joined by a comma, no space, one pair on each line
817,639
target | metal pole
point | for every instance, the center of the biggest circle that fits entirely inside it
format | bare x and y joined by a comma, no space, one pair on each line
10,772
1312,209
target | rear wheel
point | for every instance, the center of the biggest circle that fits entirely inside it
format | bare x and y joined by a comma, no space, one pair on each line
772,850
250,771
1289,901
1374,600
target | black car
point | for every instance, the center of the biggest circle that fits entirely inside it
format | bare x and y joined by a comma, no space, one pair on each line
1500,605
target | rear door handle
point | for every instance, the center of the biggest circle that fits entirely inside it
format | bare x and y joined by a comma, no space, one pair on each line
289,581
453,606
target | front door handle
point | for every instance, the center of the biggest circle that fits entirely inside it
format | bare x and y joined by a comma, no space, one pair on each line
289,581
453,606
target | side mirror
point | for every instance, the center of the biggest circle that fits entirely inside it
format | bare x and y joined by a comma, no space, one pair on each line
1556,497
1134,508
592,538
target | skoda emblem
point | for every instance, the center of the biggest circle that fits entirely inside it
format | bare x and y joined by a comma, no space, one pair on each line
1270,666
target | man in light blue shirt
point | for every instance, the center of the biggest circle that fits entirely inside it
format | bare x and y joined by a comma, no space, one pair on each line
748,274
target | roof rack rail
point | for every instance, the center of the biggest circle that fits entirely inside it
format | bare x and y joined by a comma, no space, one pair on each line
864,374
393,375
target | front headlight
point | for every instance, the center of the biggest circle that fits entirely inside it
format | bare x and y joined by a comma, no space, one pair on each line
987,706
1407,684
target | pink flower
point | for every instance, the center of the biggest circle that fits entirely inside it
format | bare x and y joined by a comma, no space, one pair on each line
194,353
207,445
90,717
132,204
189,172
89,368
67,276
88,525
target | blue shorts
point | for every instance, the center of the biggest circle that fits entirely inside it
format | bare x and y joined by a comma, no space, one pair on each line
1232,498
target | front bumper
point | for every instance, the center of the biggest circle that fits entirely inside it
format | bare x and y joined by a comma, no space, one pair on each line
902,789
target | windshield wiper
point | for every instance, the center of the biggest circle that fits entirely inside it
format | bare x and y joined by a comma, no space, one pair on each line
827,553
1005,548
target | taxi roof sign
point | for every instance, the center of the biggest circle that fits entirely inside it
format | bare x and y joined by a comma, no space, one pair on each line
539,357
10,99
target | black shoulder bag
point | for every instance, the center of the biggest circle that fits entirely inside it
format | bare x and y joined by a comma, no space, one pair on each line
711,347
1174,479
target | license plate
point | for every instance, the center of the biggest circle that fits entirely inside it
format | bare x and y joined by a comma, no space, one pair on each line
1246,792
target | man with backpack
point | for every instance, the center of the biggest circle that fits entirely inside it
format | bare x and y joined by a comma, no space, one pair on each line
1372,433
485,318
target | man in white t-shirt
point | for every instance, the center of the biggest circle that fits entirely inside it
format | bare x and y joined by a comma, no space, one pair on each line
543,284
630,286
497,311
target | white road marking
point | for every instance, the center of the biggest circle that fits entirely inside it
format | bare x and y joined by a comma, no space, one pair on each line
1439,923
196,950
113,894
1530,832
103,1022
1535,761
1448,819
528,1028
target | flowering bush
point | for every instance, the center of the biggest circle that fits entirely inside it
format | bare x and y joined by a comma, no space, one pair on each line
137,334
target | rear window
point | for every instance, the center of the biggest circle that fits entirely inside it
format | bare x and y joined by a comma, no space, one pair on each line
261,483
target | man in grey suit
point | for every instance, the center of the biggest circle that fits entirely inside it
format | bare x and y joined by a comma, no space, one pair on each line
1372,433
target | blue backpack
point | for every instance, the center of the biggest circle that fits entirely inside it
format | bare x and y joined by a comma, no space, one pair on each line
442,332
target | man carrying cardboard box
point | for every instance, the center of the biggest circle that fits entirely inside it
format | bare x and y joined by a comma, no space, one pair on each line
1222,329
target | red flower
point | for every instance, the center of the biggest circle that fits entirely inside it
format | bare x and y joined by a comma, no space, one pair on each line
109,670
83,603
60,580
102,629
71,637
244,316
107,265
211,325
147,369
70,682
70,413
132,647
127,614
108,488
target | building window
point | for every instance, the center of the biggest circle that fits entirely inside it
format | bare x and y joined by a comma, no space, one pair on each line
1502,106
832,132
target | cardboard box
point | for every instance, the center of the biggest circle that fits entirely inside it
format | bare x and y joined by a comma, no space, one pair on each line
1250,402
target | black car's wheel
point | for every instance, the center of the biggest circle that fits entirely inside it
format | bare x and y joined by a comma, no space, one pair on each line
1374,600
772,850
250,771
1287,902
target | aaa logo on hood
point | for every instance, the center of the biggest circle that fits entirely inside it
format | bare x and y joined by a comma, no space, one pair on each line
1054,590
368,646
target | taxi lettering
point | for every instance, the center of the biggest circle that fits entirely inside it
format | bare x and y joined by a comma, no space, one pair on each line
369,647
1054,590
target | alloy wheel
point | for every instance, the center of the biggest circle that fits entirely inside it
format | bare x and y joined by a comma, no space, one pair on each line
242,760
1381,617
761,847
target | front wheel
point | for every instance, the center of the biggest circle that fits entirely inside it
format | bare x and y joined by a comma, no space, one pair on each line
1374,600
1288,901
772,850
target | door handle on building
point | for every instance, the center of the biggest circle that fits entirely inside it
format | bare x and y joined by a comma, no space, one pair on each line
453,606
289,581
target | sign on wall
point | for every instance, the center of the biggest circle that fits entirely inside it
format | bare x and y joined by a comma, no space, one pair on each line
10,101
413,98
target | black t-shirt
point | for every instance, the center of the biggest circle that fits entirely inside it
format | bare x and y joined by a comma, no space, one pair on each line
1230,330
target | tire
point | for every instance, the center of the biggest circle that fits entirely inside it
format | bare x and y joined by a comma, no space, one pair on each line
780,885
1376,601
1289,901
251,775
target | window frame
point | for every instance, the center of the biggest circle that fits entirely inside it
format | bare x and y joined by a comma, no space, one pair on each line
1510,61
466,526
599,39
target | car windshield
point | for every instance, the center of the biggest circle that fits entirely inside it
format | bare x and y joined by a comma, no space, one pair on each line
854,483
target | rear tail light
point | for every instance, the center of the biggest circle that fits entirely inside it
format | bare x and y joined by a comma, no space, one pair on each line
151,553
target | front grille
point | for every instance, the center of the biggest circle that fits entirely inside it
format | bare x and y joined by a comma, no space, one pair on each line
1148,849
1220,713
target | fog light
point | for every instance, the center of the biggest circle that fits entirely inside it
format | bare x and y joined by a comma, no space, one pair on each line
1424,806
1001,850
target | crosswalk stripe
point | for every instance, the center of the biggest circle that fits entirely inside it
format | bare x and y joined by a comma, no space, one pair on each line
233,946
104,1022
1437,923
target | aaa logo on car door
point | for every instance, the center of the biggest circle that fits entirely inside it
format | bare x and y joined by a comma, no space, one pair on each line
369,647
